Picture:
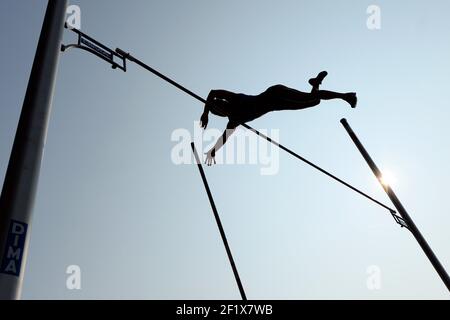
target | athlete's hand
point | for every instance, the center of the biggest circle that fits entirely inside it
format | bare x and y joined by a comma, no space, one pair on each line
210,158
204,120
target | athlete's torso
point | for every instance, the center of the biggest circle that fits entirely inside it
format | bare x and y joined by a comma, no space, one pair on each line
244,108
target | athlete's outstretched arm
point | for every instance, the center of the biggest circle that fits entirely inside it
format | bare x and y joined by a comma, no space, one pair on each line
213,97
217,101
210,158
204,118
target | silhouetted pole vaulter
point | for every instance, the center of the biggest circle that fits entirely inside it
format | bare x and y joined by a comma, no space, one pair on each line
315,82
19,187
219,223
241,108
409,223
303,100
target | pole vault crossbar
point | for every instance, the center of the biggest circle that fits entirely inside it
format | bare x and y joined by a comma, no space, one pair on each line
403,219
127,56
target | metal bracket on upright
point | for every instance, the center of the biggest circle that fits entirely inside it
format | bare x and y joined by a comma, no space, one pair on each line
400,220
93,46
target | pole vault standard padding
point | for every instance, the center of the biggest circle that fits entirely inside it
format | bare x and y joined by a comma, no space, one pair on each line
196,96
401,210
219,223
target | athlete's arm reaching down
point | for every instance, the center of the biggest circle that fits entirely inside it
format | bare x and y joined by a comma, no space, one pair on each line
210,156
218,102
204,118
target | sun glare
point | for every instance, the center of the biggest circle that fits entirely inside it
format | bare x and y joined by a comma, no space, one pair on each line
387,178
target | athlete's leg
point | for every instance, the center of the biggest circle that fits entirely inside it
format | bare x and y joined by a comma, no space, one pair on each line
281,92
328,95
285,98
280,97
286,93
287,104
317,81
349,97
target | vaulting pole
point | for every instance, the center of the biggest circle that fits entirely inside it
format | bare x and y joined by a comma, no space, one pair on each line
219,223
401,210
19,188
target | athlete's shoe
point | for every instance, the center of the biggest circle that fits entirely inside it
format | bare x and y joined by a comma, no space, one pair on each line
352,99
317,81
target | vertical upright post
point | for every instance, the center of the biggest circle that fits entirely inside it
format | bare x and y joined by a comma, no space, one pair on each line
19,187
219,224
401,210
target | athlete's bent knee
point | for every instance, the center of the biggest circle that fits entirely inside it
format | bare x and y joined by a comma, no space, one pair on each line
315,102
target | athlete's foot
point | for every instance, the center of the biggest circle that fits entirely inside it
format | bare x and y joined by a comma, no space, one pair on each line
317,81
352,99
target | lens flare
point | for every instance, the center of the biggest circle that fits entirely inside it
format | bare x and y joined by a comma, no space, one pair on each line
387,178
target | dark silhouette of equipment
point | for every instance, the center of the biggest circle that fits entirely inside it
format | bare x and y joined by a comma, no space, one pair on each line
403,220
406,220
219,223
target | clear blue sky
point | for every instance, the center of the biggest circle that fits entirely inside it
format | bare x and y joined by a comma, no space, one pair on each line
111,201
